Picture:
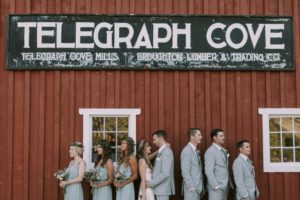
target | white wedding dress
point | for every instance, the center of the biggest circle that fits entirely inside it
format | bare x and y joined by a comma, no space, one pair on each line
149,192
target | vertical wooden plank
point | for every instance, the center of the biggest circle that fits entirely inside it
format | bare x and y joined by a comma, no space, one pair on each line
79,93
118,89
223,100
192,99
125,91
140,103
198,7
103,89
26,124
215,100
147,111
161,97
110,87
17,137
9,139
168,104
154,101
177,121
231,116
56,138
132,84
41,135
95,89
208,115
34,136
49,182
4,7
10,128
200,107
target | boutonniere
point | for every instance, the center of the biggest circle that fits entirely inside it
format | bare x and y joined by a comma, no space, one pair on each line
226,153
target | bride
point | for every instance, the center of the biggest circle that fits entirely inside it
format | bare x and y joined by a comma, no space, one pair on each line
145,170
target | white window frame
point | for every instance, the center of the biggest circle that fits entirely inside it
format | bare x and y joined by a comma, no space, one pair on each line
88,113
266,114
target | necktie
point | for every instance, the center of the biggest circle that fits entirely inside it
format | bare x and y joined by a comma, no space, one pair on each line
196,151
224,153
250,165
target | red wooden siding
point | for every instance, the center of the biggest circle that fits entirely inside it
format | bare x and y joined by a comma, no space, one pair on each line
39,109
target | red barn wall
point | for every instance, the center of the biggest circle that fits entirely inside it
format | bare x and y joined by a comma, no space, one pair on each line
39,109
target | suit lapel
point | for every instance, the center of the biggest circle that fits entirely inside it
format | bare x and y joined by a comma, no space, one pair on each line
195,154
220,153
250,168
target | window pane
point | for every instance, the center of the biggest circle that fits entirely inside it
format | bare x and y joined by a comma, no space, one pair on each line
111,139
122,123
97,123
297,139
287,140
297,152
275,155
297,124
110,124
275,139
287,124
274,124
288,155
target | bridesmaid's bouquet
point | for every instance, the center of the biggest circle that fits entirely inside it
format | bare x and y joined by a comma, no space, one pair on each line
61,174
92,176
119,174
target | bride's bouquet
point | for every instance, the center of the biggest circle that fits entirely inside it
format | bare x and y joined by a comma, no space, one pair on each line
61,174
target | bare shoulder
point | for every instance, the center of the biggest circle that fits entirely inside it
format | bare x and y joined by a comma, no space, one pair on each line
132,158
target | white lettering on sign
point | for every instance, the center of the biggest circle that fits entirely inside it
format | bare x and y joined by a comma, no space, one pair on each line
115,34
272,31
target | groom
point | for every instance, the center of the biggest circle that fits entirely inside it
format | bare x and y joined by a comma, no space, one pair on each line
162,182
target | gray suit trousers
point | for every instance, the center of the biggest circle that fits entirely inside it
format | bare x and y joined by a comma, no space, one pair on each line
251,198
191,196
162,197
217,194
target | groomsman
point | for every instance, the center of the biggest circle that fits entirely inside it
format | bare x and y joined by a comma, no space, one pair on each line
191,167
162,182
216,167
244,175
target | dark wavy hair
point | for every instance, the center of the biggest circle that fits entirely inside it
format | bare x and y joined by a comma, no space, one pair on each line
124,156
141,152
106,155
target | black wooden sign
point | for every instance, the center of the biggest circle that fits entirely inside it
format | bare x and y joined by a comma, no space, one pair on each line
157,42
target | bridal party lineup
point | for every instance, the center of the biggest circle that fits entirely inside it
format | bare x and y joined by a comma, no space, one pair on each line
157,180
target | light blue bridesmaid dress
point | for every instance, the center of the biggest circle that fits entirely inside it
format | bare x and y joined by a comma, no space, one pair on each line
105,192
126,192
73,191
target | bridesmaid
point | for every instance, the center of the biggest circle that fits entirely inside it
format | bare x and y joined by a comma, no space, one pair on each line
104,166
76,169
128,166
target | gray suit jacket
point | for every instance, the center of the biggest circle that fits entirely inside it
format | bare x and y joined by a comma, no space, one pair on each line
244,177
191,169
163,173
216,168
